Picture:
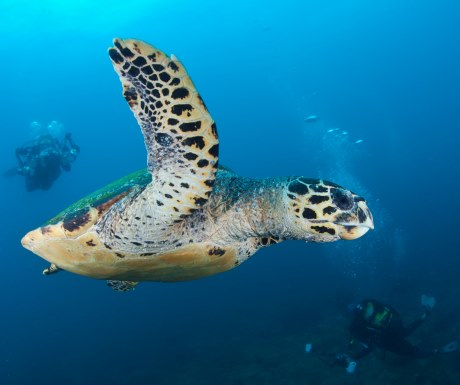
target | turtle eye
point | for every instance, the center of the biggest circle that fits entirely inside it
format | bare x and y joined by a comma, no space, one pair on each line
342,199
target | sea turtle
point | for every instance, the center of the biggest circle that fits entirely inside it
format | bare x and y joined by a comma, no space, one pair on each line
185,217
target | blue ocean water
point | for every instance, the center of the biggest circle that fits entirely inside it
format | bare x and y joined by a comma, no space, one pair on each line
381,72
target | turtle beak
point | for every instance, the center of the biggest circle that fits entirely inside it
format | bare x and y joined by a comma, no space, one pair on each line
350,232
355,230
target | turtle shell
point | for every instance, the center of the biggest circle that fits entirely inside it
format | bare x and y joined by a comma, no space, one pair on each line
101,199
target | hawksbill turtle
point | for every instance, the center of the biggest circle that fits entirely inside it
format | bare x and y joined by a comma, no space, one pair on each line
185,217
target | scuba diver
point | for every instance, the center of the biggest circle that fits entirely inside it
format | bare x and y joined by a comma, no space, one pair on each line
40,160
376,325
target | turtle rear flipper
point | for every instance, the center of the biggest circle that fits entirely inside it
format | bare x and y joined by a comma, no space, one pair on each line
122,285
52,269
179,133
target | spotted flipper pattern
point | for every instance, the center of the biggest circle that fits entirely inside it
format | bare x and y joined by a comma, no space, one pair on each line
179,133
122,286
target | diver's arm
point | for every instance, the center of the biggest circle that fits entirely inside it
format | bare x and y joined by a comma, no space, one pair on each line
73,146
19,152
365,350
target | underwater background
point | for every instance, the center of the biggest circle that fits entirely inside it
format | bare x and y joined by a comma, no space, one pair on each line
382,77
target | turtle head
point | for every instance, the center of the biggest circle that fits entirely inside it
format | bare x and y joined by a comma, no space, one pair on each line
324,211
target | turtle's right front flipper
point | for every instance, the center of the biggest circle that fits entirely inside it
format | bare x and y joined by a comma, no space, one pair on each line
179,133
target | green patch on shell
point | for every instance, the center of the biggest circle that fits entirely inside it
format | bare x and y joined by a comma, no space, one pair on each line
139,178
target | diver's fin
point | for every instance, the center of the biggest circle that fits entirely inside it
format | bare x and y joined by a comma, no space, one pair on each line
13,171
122,285
450,347
51,270
428,302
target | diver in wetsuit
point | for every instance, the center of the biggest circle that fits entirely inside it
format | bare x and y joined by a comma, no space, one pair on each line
40,160
376,325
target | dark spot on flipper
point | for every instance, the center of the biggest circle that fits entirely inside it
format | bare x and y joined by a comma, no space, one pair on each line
126,52
139,61
119,255
216,251
136,243
90,243
298,188
180,93
190,156
202,163
192,126
147,70
133,71
185,185
309,213
173,66
115,56
315,199
164,77
194,141
163,139
323,229
172,121
214,150
178,109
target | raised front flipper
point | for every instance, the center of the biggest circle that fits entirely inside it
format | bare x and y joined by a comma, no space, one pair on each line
179,134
